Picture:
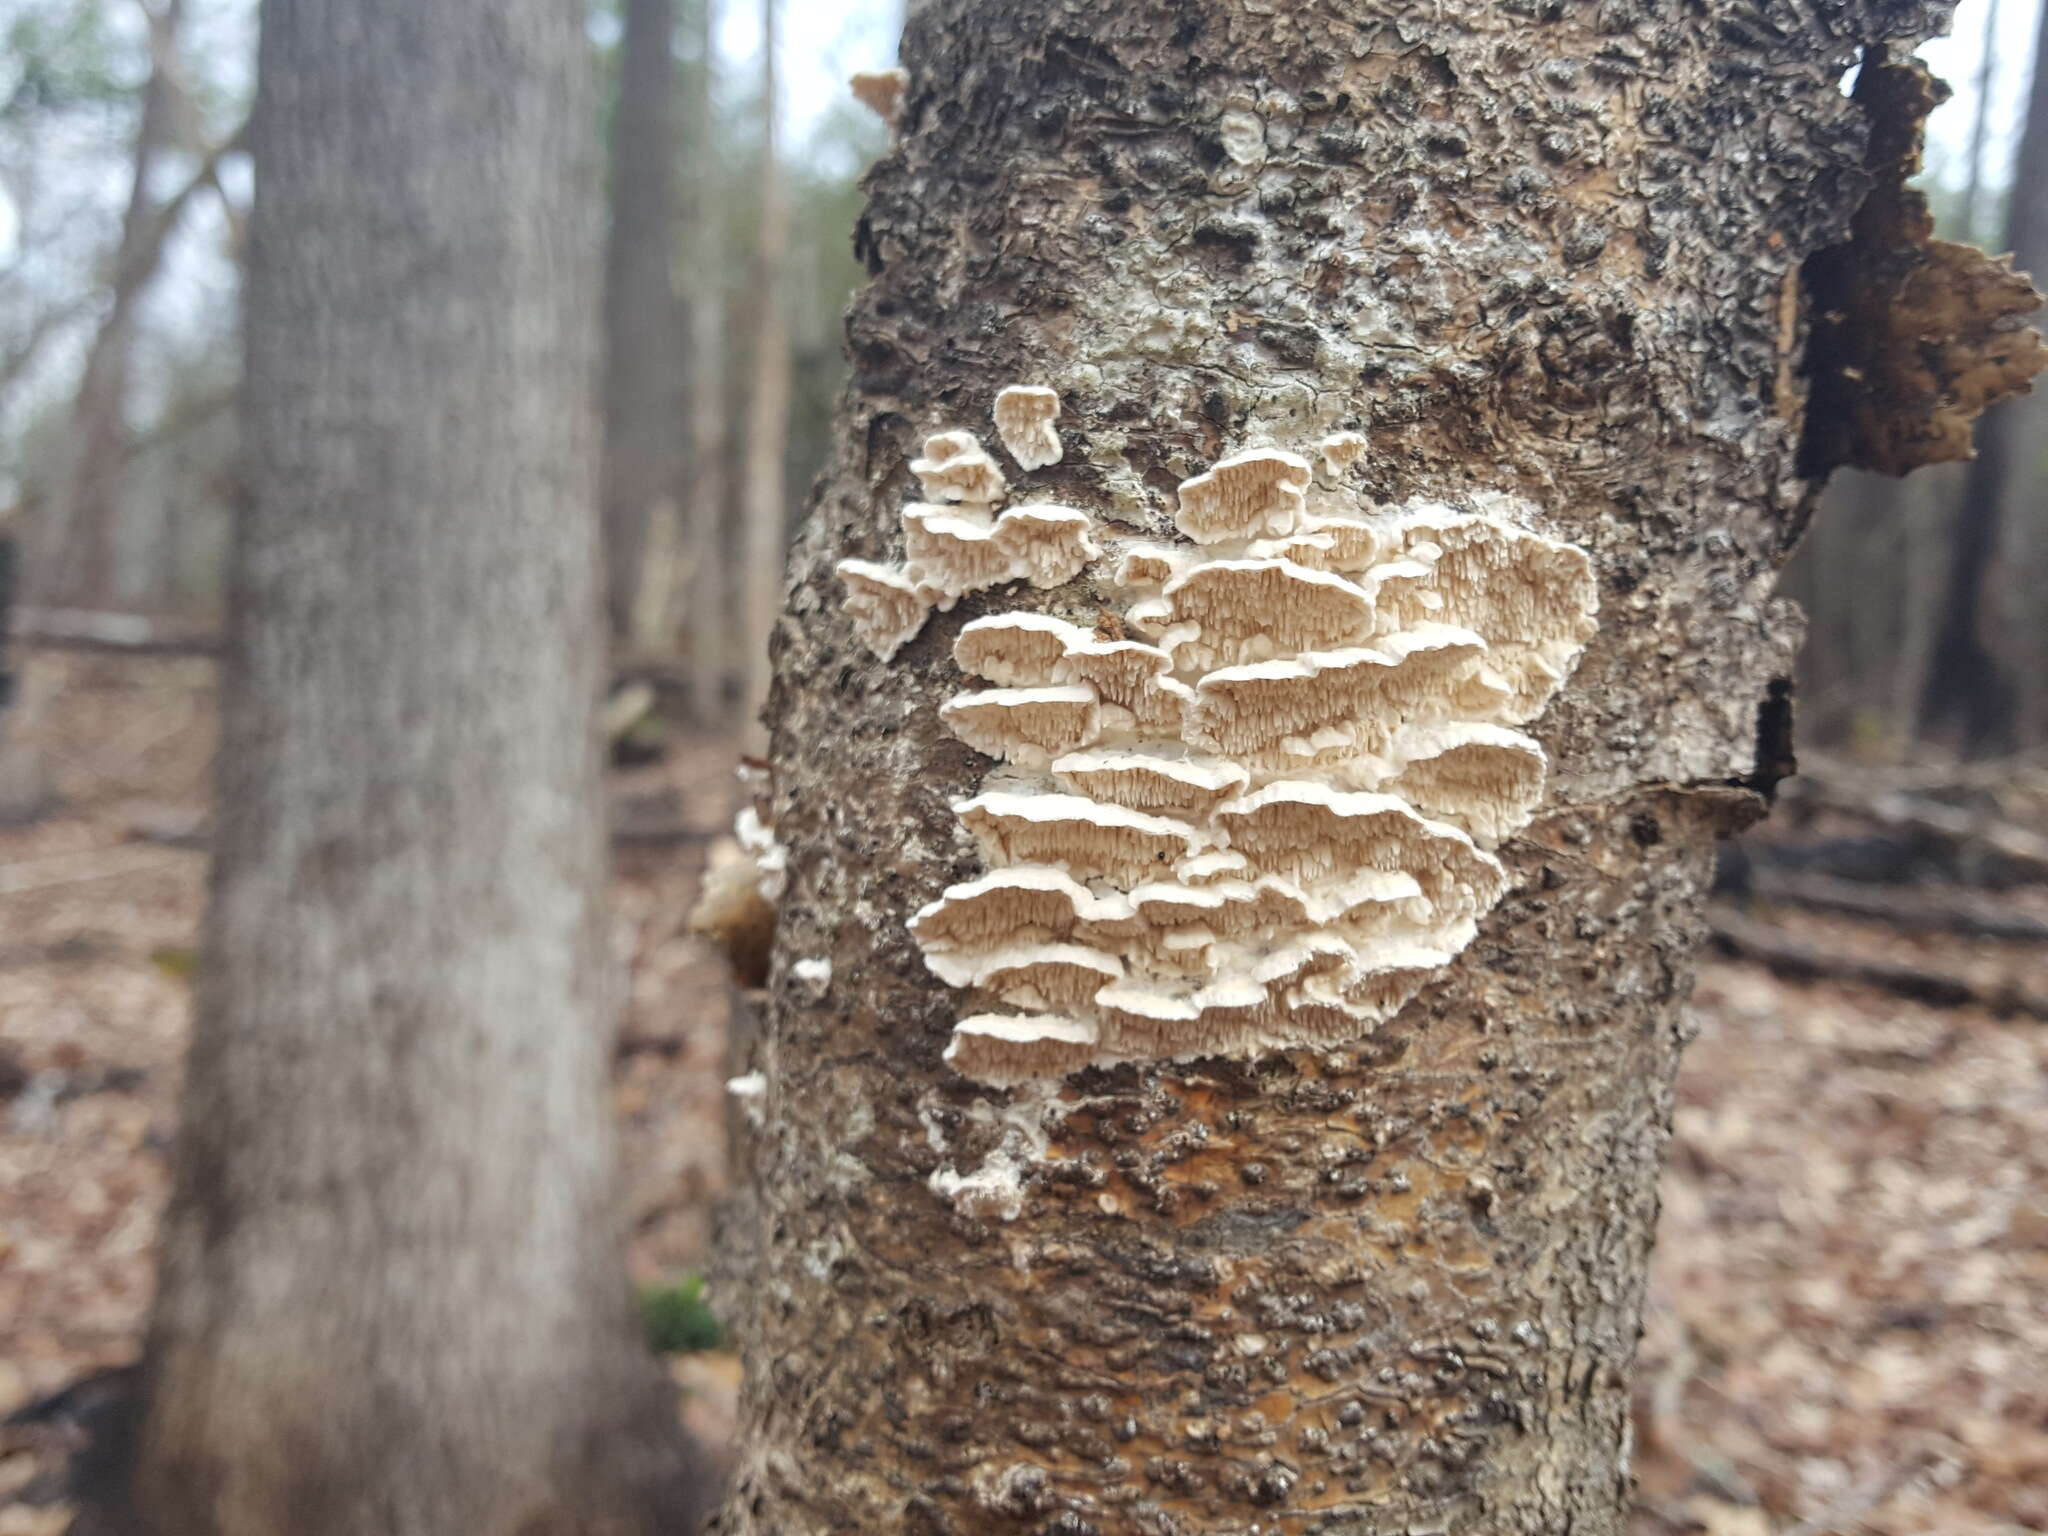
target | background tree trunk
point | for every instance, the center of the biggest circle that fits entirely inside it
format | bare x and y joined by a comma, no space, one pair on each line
1971,209
765,499
24,782
392,1300
1970,703
77,548
642,372
1392,1284
705,498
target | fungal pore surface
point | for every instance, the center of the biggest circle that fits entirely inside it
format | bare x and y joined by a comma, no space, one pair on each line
1260,810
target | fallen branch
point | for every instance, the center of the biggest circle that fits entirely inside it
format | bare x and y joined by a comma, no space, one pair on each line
1915,908
1746,939
52,870
1983,849
134,634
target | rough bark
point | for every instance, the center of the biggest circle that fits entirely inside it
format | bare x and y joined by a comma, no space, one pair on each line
392,1298
1392,1284
766,500
642,324
1971,700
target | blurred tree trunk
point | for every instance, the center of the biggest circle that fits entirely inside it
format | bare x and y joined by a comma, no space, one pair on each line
704,496
764,500
1971,701
392,1297
1391,1283
77,549
24,780
1971,208
642,374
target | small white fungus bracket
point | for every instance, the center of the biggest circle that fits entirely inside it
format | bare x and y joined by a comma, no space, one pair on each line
1024,416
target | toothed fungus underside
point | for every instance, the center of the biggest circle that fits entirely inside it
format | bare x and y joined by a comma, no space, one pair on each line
1270,820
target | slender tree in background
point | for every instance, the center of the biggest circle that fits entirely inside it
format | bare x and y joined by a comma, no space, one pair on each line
24,781
764,499
642,325
392,1297
74,555
1968,210
1274,1252
703,495
1970,702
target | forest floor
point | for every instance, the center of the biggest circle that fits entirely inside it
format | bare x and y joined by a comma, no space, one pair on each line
1845,1330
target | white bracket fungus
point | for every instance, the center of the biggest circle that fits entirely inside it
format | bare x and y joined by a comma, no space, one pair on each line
1024,416
955,467
1259,491
1341,450
1269,820
956,542
884,605
1014,1048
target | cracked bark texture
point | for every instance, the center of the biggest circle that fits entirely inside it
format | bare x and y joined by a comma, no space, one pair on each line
1550,249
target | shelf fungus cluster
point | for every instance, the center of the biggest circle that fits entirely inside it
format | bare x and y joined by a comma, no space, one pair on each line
962,538
1258,812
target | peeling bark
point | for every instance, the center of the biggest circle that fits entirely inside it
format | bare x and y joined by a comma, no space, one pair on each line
1913,337
1389,1284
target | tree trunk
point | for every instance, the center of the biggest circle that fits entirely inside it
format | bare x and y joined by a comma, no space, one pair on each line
24,781
78,546
1971,207
1291,1228
766,501
642,377
392,1295
1971,701
708,512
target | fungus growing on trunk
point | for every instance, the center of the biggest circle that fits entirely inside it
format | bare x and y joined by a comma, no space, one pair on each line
955,467
884,604
1024,416
1485,778
1229,611
1267,822
1028,726
1006,1048
881,91
1244,496
960,544
1143,781
1074,833
1341,450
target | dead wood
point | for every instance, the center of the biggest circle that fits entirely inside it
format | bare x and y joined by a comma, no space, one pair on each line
1797,960
1916,908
